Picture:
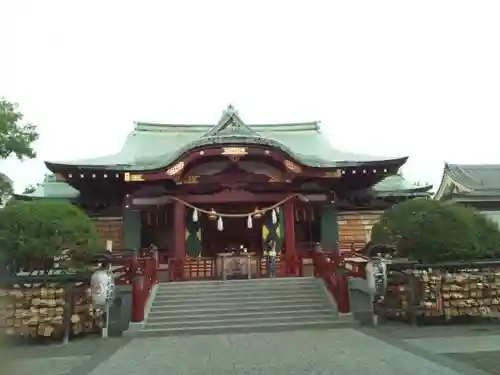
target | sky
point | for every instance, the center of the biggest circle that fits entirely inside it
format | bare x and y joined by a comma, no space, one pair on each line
402,78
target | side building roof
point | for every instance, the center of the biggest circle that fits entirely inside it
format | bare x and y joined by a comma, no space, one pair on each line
50,188
153,146
470,182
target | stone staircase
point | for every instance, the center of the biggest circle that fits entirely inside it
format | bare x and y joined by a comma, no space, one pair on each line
241,306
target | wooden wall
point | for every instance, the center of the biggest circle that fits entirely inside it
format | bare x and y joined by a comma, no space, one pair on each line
110,228
355,227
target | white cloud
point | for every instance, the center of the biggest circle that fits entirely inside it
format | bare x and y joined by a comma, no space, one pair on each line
385,77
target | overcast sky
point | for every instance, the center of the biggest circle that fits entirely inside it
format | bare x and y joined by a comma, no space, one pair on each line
418,78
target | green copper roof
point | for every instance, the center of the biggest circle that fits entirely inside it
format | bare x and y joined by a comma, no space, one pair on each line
391,186
51,189
397,185
154,146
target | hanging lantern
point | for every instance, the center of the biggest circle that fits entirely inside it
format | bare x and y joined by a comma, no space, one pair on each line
274,217
220,224
212,215
102,284
249,221
195,215
256,213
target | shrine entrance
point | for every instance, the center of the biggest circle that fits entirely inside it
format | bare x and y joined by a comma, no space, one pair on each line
234,235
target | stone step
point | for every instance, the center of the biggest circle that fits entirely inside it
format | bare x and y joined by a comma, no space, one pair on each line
241,316
271,303
257,297
236,308
236,281
244,306
239,290
240,283
238,321
247,328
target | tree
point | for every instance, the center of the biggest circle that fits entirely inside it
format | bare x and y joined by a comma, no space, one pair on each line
6,189
432,231
32,233
16,139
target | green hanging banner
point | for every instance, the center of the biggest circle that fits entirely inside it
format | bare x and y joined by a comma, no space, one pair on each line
193,235
273,230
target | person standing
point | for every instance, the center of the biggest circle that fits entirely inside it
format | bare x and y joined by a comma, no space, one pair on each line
271,256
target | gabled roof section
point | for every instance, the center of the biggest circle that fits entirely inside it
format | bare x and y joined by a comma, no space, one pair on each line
231,124
152,146
469,180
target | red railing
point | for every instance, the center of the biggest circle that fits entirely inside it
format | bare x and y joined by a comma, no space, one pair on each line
335,270
291,265
206,268
191,268
138,269
144,272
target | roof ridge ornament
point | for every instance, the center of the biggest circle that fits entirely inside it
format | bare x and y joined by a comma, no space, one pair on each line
230,110
231,124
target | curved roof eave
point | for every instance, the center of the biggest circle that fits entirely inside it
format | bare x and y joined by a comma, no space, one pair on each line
164,160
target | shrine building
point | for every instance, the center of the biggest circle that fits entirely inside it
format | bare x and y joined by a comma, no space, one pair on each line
195,191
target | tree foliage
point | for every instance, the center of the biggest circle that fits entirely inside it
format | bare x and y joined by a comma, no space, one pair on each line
6,189
433,231
16,138
32,233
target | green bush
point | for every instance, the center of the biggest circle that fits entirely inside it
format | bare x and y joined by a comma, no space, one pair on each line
433,231
32,233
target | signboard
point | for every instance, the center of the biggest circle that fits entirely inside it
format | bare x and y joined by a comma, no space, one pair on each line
234,151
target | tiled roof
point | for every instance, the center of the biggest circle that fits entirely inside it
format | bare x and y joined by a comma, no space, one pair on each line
484,178
52,189
152,145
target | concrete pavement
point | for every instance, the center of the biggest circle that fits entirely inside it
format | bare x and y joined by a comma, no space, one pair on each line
389,350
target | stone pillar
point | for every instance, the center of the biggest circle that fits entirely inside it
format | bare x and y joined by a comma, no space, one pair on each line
179,230
289,217
329,228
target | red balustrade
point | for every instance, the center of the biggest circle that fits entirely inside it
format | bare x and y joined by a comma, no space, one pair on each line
335,269
191,268
291,265
144,273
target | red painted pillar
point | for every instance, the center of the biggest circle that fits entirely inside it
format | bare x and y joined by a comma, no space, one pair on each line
138,303
290,246
179,230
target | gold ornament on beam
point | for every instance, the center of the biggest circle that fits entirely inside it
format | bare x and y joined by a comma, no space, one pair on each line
213,215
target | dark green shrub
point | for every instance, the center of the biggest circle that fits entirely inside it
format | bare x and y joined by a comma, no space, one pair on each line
433,231
32,233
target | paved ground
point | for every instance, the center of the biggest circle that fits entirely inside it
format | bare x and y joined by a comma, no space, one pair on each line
384,350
